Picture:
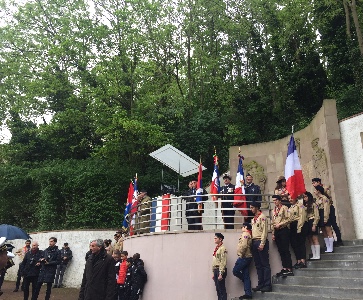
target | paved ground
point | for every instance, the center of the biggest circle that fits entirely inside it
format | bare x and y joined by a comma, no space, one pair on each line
57,294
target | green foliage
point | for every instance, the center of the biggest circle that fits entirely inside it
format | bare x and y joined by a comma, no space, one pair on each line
112,81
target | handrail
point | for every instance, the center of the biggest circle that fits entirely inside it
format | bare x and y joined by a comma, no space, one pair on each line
167,213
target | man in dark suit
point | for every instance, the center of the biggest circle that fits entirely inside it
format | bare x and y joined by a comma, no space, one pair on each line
193,210
227,202
251,188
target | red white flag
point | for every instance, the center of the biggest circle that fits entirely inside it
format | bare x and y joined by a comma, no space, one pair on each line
215,184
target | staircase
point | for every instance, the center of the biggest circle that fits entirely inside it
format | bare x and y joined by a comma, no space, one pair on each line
337,275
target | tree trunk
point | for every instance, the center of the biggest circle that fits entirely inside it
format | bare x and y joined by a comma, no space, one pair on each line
353,8
347,19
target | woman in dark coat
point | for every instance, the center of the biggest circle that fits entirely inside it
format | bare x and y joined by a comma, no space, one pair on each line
99,281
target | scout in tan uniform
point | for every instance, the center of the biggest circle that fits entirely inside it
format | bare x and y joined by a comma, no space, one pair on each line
324,222
219,266
241,267
332,216
298,231
260,247
281,235
119,241
144,209
313,220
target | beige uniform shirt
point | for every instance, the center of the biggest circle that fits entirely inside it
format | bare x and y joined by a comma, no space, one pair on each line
313,213
259,228
280,216
244,245
324,203
297,212
119,245
220,260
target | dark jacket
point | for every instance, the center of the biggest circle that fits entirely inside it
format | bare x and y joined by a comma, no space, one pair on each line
99,282
191,208
66,252
138,275
227,189
29,267
53,258
253,189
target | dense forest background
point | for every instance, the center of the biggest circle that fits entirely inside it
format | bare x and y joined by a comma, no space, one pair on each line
90,88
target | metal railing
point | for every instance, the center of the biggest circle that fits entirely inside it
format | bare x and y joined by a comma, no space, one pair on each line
167,213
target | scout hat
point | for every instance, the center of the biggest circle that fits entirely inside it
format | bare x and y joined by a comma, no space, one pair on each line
280,178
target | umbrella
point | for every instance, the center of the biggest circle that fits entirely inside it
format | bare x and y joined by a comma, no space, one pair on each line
12,232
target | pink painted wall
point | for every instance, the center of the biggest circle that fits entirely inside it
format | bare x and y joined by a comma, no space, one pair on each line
179,264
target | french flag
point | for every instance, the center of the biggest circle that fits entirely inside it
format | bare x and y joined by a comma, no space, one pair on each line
240,199
130,195
293,173
215,186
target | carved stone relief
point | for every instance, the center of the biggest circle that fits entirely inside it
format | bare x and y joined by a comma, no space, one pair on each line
320,162
259,177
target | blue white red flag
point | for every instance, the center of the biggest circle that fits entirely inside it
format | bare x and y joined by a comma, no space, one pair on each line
215,186
240,198
130,195
293,173
199,184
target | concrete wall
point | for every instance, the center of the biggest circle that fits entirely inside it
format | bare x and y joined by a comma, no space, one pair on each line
78,243
352,139
178,263
321,155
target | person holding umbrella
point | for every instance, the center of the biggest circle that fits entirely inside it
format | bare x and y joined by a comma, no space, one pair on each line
5,260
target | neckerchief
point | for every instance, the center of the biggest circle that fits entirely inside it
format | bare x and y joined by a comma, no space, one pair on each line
216,249
277,210
256,217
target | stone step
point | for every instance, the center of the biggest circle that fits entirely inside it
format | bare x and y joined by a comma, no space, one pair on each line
317,290
342,256
335,264
297,296
353,243
348,249
333,272
325,281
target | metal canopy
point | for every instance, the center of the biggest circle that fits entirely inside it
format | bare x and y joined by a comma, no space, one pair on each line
176,160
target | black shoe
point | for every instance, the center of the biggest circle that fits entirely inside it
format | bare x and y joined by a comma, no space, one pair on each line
288,273
281,273
301,265
257,288
245,297
61,286
1,292
340,243
296,266
55,286
266,289
16,290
